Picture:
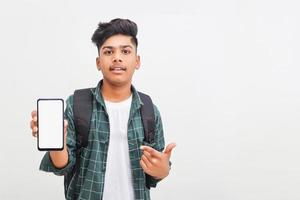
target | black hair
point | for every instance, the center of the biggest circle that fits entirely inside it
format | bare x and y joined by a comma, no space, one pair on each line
114,27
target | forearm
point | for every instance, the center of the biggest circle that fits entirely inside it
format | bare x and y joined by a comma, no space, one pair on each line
59,158
58,162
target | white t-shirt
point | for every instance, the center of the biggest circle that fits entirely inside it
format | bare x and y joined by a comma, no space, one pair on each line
118,183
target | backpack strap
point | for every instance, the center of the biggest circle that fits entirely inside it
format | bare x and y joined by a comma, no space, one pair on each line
148,118
82,110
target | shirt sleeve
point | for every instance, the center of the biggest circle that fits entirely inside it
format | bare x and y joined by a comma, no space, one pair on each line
46,163
159,141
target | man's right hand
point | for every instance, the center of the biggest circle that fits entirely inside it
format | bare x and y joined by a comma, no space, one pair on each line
59,158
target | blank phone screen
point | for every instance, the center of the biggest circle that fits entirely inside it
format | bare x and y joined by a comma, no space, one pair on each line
50,113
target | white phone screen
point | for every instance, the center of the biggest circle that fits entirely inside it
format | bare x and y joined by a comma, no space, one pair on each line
50,113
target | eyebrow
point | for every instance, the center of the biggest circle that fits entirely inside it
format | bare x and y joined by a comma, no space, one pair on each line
121,47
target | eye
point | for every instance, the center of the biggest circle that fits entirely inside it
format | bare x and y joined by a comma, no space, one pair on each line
126,51
107,52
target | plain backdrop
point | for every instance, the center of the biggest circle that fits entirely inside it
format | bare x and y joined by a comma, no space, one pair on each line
224,74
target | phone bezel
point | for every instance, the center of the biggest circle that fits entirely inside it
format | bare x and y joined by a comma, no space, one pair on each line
50,149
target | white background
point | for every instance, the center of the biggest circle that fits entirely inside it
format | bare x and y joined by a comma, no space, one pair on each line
224,74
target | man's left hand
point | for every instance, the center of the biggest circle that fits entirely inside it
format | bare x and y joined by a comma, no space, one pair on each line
156,163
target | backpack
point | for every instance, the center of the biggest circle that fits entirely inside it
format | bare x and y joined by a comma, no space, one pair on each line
82,110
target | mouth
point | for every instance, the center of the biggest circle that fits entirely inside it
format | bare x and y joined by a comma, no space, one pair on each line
117,68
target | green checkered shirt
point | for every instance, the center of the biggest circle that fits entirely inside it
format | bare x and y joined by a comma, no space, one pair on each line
88,180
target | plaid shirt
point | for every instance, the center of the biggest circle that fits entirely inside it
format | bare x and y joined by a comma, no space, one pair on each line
87,182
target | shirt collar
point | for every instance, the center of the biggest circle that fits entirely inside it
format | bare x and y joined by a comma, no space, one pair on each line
136,100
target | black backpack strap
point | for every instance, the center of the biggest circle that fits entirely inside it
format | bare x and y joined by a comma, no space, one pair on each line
82,110
148,119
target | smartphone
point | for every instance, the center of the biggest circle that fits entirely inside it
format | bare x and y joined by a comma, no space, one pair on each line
50,120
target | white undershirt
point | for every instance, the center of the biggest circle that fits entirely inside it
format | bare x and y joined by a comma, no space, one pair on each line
118,178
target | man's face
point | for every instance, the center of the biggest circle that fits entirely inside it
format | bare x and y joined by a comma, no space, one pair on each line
118,60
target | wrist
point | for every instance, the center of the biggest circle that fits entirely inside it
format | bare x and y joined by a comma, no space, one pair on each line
165,174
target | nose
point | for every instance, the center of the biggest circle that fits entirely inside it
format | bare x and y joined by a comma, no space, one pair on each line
117,57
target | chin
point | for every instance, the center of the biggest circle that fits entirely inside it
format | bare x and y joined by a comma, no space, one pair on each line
118,81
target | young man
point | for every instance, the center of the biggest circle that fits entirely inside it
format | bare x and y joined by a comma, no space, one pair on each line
114,164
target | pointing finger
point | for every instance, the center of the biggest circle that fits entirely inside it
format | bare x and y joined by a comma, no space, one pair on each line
169,149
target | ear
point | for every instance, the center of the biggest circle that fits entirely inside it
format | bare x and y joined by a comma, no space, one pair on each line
98,63
138,62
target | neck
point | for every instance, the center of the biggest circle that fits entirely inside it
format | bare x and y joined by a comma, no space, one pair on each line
115,93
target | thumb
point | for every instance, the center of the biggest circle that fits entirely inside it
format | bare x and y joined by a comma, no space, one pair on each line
65,126
169,149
